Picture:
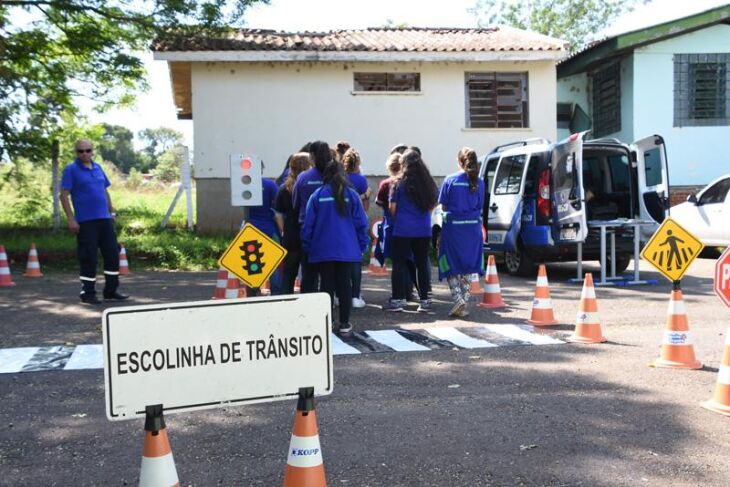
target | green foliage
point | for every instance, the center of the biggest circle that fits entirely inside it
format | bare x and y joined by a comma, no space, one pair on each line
52,51
134,180
158,141
117,146
576,21
168,167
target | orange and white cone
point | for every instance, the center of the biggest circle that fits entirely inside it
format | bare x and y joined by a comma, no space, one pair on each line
677,349
6,279
123,262
158,466
720,402
374,267
475,287
587,324
492,297
33,267
221,284
542,305
297,285
304,466
266,288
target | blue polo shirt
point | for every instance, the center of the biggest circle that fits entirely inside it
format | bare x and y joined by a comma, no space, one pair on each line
88,190
307,183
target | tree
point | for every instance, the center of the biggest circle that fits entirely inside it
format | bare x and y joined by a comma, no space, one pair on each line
577,21
158,141
54,50
116,146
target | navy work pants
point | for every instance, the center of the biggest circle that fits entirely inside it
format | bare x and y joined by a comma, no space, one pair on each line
93,235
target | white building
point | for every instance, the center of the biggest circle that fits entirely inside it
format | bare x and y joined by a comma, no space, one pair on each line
671,79
269,93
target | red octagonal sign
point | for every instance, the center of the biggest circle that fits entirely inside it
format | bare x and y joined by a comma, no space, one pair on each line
722,277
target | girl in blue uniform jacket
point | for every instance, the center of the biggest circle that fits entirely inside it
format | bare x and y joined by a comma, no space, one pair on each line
460,251
335,235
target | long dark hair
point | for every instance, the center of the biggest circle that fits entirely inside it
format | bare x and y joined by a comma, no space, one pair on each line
415,177
334,175
320,152
469,163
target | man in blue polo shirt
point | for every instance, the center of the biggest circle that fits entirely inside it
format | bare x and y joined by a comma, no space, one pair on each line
92,220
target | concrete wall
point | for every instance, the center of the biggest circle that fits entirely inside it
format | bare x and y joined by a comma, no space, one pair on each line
272,109
697,155
573,89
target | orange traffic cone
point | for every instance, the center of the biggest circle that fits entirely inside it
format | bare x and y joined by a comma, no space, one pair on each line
221,284
33,267
475,286
587,325
720,402
492,297
6,279
158,466
297,285
123,262
374,267
304,467
542,305
677,349
266,289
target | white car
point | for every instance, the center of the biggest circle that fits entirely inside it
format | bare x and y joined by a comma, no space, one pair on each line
706,213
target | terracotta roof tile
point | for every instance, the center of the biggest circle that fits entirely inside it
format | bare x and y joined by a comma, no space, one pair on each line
373,39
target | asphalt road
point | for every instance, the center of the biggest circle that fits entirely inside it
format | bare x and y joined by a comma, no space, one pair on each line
516,415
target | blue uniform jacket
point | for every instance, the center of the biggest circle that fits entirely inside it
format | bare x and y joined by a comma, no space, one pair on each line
329,236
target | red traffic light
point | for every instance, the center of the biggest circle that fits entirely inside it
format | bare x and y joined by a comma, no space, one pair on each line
246,164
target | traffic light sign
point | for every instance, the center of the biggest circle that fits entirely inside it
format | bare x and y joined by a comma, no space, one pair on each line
245,180
252,257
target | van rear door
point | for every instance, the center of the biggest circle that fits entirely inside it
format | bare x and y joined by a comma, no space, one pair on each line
569,224
653,179
505,203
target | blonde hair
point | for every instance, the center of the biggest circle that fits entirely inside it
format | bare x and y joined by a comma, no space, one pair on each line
393,164
351,161
298,163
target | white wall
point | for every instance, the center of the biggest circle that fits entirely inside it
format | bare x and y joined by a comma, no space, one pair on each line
573,89
696,155
272,109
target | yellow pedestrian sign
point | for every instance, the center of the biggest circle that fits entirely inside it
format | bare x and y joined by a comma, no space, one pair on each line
672,249
252,256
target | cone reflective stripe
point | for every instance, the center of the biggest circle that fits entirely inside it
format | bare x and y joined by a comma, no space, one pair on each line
123,262
232,287
221,284
33,267
304,465
720,402
266,288
6,279
677,349
475,287
542,305
158,465
587,325
492,297
374,267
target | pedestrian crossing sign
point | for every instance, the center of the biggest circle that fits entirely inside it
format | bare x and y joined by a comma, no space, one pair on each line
252,256
671,250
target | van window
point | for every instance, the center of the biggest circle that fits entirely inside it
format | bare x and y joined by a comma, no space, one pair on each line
531,176
509,175
653,167
489,173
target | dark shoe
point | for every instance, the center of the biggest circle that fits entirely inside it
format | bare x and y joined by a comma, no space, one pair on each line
115,297
89,299
424,306
395,305
345,328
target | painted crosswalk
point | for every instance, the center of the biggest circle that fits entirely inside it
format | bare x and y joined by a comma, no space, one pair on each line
80,357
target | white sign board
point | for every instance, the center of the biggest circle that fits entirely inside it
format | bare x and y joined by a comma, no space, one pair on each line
208,354
246,184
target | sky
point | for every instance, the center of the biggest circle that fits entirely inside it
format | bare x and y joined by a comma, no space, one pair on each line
155,108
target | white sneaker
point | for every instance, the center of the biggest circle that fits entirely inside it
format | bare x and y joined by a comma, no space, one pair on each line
358,303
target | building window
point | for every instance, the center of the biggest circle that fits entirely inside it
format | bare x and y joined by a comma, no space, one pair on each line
701,90
497,100
387,81
607,101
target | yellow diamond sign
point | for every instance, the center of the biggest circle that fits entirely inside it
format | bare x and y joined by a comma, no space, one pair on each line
672,249
252,256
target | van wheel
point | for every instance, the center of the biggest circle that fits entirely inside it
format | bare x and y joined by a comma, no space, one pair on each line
518,263
622,263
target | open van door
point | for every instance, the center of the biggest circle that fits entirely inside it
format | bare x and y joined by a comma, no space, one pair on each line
504,214
653,180
569,207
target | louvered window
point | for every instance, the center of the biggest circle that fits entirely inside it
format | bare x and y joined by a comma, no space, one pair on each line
497,100
387,82
607,101
701,90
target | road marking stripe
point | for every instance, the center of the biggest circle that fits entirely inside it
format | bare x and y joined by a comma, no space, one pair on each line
86,357
341,348
459,339
395,340
519,333
49,358
13,359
